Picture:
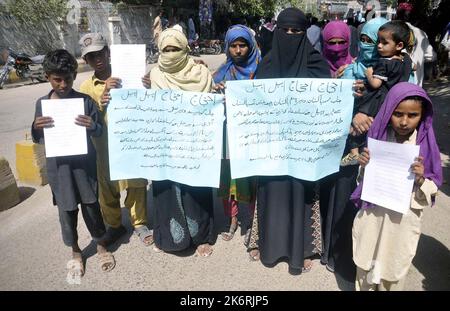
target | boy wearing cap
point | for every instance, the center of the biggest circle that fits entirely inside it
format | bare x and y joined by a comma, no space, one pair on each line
95,51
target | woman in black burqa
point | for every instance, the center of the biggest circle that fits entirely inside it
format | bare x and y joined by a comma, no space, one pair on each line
284,203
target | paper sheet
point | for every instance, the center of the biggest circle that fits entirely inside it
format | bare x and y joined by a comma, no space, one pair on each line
65,138
128,64
388,181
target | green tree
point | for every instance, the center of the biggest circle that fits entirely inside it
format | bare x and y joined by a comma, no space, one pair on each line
34,11
269,7
391,3
254,7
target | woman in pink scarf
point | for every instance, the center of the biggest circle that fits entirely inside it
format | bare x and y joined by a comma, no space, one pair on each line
336,46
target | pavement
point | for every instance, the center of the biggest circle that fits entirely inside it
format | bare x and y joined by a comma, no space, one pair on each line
33,257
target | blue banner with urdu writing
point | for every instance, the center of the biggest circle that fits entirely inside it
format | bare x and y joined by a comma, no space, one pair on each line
166,134
295,127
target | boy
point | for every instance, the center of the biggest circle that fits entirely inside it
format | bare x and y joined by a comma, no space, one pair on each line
73,179
95,51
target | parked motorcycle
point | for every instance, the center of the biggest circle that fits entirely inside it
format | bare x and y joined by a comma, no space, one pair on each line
152,53
25,66
205,47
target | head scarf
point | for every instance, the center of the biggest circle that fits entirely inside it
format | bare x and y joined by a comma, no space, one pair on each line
176,70
405,6
270,25
425,134
232,71
292,55
368,53
337,54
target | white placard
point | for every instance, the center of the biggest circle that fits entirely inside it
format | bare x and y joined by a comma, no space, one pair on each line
388,180
292,126
65,137
128,64
166,134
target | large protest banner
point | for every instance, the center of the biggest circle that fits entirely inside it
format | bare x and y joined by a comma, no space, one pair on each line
295,127
166,134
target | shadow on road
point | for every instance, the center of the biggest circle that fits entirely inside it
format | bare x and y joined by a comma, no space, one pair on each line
433,262
25,193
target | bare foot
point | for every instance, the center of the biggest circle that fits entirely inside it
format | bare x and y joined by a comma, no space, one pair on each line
254,254
204,250
307,265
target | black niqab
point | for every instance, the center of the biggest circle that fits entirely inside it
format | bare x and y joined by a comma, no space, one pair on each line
292,55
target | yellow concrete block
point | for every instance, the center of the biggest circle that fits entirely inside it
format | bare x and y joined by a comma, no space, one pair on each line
9,193
30,163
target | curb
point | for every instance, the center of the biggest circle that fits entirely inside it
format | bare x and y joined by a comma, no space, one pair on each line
13,78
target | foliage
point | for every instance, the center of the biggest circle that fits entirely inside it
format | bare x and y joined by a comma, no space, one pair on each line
391,3
34,11
269,7
254,7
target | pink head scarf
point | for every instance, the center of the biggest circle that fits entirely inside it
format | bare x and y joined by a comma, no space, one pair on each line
337,54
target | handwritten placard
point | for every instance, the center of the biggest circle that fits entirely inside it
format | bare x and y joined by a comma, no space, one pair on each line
295,127
165,134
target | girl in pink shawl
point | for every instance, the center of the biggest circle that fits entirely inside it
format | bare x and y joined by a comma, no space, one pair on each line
385,241
336,46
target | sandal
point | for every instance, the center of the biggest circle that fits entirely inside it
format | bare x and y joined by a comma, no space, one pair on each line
307,265
254,254
107,261
145,234
227,236
204,250
76,271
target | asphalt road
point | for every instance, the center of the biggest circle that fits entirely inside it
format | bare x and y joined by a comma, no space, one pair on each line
33,257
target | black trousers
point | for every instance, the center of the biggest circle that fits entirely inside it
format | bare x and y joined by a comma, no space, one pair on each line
92,218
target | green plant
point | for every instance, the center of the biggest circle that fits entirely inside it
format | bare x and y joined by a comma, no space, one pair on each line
34,11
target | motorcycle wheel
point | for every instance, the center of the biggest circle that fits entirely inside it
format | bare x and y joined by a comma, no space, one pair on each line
154,58
217,49
42,79
4,75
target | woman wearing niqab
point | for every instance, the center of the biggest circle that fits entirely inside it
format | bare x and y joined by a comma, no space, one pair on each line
284,203
183,214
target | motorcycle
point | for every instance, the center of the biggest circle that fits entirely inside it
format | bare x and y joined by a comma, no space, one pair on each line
205,47
152,53
25,66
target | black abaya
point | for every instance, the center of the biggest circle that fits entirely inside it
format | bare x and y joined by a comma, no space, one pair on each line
284,203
